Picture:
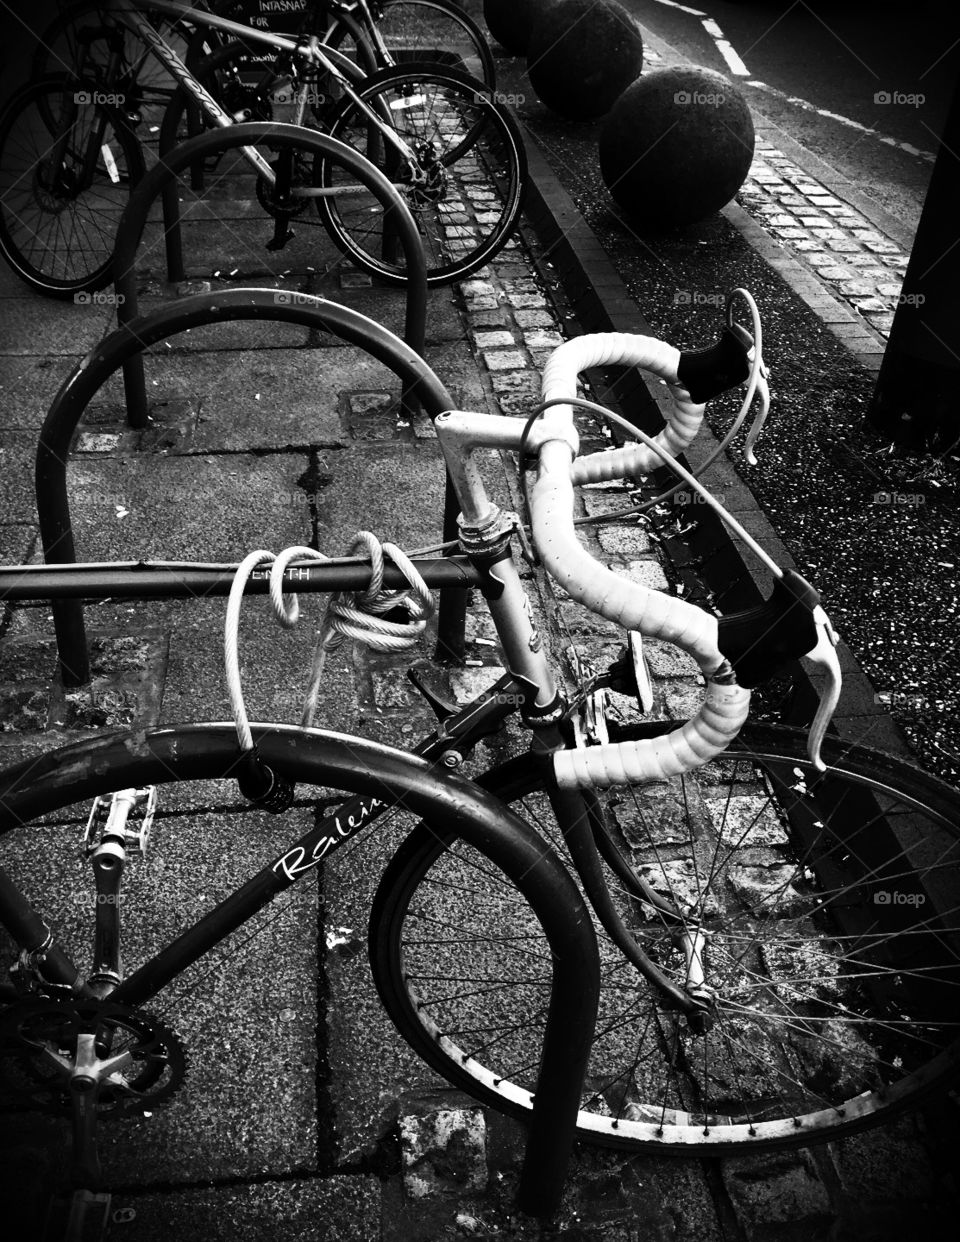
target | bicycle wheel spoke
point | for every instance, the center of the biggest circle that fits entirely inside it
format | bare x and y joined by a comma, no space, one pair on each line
830,907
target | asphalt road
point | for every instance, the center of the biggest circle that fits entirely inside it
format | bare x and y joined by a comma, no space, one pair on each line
859,82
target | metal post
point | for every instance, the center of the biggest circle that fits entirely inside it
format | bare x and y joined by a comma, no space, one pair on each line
64,415
162,180
915,399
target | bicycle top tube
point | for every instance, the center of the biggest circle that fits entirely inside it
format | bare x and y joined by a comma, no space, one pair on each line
185,580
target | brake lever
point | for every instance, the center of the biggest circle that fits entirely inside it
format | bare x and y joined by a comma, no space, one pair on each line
824,655
761,391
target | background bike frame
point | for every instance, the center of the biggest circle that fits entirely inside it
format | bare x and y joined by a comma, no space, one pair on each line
130,14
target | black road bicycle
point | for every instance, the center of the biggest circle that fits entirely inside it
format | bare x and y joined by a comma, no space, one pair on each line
776,911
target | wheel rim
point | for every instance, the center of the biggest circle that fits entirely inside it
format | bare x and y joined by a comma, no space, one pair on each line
58,224
469,141
418,30
831,1016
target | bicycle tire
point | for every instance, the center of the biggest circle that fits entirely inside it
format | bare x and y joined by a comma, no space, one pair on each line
420,29
832,1016
43,807
473,164
56,234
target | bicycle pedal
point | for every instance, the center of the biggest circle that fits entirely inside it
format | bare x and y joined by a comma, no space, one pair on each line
85,1216
277,242
126,813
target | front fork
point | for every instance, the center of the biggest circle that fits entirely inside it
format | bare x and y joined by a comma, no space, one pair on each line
579,813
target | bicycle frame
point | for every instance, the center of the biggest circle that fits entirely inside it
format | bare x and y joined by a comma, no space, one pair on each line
529,685
300,857
129,14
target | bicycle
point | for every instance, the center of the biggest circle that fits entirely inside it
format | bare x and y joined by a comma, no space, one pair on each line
776,909
376,33
456,155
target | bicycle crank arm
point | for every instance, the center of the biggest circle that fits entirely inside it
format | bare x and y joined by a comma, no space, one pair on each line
85,1082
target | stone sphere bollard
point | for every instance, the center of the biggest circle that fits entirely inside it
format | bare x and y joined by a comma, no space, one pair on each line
676,147
509,22
582,55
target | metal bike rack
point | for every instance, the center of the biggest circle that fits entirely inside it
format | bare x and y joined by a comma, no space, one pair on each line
467,811
53,508
162,181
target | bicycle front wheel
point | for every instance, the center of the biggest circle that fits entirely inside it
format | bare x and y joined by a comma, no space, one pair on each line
465,184
830,908
68,164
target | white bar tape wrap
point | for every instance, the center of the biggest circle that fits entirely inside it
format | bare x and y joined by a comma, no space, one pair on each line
621,348
658,759
627,603
619,599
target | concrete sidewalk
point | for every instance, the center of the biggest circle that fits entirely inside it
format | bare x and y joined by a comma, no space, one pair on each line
302,1113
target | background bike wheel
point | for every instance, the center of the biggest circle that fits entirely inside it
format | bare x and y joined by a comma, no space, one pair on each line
471,165
434,30
833,916
67,167
80,41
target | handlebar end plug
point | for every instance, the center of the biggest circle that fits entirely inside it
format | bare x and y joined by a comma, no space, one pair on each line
263,787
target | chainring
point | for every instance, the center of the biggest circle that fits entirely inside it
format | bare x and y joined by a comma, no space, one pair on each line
38,1048
285,204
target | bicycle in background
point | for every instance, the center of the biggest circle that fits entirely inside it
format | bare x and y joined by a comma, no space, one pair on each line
69,158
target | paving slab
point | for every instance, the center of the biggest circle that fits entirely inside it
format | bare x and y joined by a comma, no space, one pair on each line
336,1209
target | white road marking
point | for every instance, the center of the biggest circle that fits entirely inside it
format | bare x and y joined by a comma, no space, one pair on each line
671,4
737,66
929,156
725,48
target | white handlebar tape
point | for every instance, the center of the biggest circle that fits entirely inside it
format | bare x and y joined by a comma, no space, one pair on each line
620,349
629,604
634,607
658,759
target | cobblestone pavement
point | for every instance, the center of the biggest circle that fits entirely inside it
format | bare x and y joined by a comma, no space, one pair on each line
833,239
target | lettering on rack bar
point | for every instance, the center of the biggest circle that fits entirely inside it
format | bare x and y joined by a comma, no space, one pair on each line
332,832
